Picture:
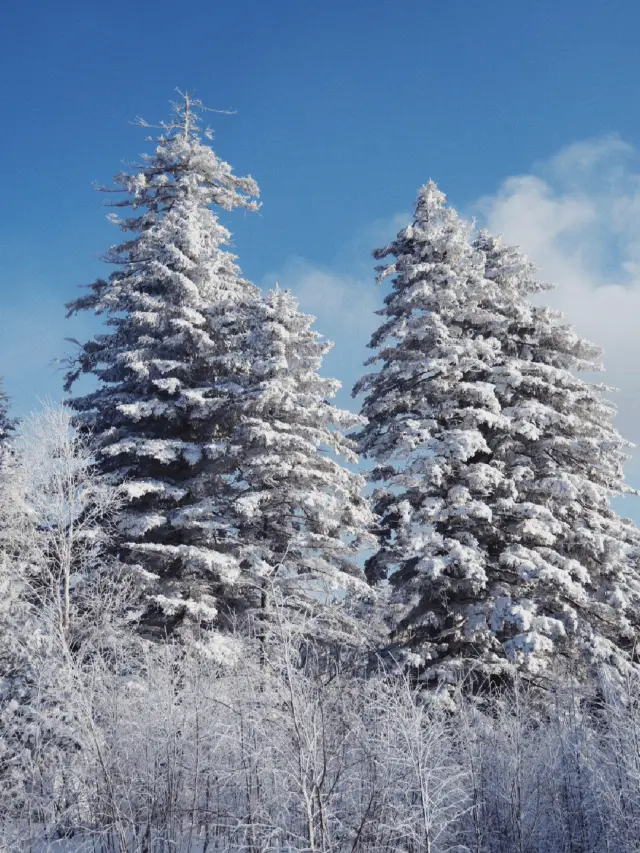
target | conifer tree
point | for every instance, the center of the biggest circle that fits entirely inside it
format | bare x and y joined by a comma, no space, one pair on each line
7,423
496,465
301,516
171,368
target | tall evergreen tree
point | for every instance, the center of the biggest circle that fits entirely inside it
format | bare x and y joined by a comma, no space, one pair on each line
171,368
301,516
496,462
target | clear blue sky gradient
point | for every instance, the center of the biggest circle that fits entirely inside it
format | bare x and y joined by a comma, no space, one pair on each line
343,110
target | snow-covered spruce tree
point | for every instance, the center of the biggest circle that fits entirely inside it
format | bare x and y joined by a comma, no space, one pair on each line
301,517
7,423
496,465
171,367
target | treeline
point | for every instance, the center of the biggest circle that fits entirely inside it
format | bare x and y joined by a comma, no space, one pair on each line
214,635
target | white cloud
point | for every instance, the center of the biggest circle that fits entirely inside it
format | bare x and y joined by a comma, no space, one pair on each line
577,216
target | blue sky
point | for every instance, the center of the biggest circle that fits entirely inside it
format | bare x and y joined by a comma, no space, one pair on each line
524,113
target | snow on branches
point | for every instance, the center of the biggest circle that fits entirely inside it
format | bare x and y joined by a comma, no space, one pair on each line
171,365
301,516
209,412
496,464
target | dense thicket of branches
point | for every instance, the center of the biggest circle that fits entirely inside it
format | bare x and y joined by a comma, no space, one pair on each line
292,751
